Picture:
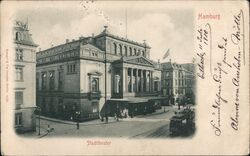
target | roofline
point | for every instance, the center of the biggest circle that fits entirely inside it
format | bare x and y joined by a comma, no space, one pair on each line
122,39
60,45
33,45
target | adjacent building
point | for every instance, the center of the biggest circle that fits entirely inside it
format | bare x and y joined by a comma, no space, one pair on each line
178,82
25,86
94,76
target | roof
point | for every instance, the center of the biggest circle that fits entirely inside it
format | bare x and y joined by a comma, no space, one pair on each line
22,35
105,32
190,67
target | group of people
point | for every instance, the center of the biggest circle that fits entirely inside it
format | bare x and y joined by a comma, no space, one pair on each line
121,113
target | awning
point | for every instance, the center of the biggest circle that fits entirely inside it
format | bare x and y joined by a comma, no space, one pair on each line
120,99
136,99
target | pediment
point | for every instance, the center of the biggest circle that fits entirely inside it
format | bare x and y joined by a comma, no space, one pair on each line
90,47
139,60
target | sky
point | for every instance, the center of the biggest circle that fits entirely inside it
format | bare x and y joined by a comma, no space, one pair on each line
162,27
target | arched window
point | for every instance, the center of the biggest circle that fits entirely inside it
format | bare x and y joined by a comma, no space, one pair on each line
115,48
120,49
18,36
125,51
130,51
95,85
139,52
134,51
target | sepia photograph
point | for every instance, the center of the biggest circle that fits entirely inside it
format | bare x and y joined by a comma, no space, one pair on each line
106,72
91,77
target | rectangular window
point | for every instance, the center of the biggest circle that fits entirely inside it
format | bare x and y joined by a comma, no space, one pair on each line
18,119
37,81
95,107
18,99
19,73
71,68
19,54
167,74
156,85
60,81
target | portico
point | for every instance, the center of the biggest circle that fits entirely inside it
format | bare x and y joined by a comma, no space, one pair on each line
133,77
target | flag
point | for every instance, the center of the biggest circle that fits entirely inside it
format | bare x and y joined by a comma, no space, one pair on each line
166,54
193,60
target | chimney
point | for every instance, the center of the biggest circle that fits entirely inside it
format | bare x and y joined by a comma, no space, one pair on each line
170,60
39,49
93,35
73,40
67,40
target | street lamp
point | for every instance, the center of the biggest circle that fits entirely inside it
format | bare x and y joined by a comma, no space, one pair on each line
105,76
77,118
39,113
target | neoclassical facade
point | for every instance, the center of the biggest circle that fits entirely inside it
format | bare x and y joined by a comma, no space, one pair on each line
72,82
25,78
178,82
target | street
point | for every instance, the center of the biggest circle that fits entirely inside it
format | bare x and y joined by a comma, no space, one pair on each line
154,125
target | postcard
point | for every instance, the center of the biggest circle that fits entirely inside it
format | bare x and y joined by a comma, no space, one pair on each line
93,77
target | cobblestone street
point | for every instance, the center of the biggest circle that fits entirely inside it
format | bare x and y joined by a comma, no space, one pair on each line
150,125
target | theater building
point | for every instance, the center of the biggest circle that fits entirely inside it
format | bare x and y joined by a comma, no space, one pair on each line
71,77
178,82
24,77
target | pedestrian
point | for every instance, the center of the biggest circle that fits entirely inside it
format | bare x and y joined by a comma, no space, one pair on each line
48,129
107,118
116,117
145,110
77,125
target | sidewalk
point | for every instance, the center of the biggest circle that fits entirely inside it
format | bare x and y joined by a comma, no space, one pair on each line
43,132
110,120
91,122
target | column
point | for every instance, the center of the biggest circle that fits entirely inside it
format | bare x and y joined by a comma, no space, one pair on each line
147,84
125,80
145,80
141,80
151,81
122,81
131,80
136,80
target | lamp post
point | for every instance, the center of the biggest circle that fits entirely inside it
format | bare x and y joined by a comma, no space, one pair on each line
105,97
77,118
39,113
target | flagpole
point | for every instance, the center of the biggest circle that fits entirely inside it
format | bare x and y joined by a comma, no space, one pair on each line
126,23
105,75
